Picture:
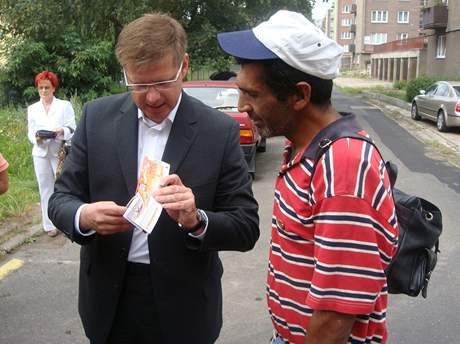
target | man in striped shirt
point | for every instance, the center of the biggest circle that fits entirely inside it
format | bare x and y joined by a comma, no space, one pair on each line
334,229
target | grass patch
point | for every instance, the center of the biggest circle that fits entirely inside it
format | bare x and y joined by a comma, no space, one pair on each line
444,152
358,74
390,92
16,148
351,90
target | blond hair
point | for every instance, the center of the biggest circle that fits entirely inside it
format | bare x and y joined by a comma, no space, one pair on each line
149,38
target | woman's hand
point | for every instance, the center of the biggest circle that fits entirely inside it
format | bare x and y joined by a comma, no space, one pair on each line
59,131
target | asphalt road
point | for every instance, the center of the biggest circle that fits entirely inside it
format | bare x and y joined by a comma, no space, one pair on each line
38,302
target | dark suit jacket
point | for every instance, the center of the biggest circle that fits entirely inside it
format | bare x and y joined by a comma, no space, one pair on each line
203,149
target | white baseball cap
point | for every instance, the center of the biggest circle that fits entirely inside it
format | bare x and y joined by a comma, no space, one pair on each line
288,36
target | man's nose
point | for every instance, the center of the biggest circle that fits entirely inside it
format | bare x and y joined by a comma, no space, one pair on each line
243,106
152,94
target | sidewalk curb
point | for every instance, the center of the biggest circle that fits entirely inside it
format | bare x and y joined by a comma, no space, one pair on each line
17,240
390,100
423,133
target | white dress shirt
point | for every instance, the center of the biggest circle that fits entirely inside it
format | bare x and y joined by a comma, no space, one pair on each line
152,142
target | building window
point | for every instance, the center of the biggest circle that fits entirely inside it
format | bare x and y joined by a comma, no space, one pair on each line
402,35
377,38
346,22
441,47
403,17
345,35
379,17
346,9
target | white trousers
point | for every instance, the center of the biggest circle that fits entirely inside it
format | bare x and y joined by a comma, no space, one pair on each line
45,170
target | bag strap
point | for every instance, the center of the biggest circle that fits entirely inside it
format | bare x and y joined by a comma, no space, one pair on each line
70,129
327,142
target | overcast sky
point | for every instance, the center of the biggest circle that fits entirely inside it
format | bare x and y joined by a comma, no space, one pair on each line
320,10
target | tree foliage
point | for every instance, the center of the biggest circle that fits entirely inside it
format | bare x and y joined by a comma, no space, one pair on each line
76,38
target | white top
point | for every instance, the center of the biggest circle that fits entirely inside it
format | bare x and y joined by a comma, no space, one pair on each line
60,115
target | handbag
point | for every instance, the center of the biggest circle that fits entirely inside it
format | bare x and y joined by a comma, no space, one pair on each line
420,225
62,154
45,134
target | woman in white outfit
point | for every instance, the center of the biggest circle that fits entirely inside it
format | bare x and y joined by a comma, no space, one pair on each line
56,115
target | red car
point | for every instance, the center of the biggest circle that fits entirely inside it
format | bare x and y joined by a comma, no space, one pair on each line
223,96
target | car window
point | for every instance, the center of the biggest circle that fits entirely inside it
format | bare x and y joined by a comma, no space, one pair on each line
457,90
442,91
216,97
430,91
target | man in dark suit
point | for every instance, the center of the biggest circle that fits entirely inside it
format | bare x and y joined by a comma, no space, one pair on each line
164,287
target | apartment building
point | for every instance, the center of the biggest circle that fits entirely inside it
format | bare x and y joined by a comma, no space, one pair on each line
345,30
328,24
441,26
364,24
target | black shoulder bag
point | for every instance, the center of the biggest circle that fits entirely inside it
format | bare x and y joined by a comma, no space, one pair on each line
420,226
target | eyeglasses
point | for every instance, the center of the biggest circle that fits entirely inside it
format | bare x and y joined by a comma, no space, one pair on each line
159,86
43,87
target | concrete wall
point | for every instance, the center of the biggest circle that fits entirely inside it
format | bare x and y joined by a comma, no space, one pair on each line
450,65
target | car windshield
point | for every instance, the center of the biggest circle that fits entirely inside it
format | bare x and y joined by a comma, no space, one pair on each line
222,98
457,90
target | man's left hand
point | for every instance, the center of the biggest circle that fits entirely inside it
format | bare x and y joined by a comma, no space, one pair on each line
178,200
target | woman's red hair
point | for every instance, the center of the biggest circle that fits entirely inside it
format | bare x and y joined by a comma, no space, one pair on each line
47,75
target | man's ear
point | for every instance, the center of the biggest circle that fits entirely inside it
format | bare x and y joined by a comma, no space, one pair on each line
302,97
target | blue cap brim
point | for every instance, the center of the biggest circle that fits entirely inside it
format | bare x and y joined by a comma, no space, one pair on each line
245,45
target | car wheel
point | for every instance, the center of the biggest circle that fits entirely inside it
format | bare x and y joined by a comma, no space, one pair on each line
441,121
414,112
262,147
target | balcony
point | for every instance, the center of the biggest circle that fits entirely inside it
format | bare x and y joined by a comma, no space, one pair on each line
415,43
435,17
353,28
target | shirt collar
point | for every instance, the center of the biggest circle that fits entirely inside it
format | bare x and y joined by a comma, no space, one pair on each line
159,126
347,122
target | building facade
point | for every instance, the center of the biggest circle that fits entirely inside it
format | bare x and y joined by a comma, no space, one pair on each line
361,25
382,21
441,25
344,33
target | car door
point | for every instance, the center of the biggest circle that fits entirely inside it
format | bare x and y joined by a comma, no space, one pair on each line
451,102
438,100
423,100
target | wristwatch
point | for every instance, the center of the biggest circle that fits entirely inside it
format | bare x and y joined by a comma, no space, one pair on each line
201,222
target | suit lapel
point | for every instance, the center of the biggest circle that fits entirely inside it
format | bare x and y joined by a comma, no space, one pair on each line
126,128
182,134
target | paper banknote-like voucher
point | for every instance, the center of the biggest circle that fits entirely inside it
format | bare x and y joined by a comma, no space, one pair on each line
142,210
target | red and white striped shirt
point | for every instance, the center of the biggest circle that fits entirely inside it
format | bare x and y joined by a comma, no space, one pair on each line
333,239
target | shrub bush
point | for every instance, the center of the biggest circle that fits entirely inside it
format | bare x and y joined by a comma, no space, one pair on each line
400,85
414,86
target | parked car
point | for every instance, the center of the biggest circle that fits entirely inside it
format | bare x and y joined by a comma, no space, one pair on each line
223,96
439,103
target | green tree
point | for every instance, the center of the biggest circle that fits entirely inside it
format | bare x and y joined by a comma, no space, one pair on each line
76,38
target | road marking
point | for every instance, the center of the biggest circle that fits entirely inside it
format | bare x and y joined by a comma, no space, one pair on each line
12,265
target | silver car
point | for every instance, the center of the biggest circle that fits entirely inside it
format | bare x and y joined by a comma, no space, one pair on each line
439,103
